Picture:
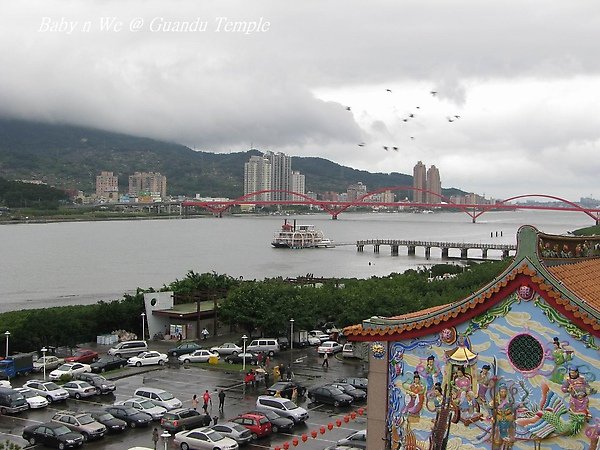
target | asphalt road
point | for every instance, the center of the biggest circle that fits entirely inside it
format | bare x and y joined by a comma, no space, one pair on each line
183,382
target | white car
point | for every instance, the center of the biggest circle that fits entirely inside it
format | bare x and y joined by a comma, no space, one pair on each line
198,356
322,336
47,389
34,399
348,350
144,405
204,438
5,384
70,369
330,347
228,348
148,359
314,340
79,389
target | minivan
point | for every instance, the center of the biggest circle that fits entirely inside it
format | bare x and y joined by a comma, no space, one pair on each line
159,397
12,401
268,345
128,348
283,407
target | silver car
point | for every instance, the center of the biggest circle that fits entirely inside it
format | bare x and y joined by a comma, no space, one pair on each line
228,348
79,389
235,431
146,406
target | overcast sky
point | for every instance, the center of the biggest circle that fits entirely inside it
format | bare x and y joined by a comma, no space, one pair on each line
523,77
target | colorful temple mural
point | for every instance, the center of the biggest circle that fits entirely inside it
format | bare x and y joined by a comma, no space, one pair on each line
515,365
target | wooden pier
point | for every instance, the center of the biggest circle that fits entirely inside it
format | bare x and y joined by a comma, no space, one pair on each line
464,247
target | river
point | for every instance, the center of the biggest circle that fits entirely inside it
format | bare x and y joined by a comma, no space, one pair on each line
68,263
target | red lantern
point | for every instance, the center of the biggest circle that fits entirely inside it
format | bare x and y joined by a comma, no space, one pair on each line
304,437
277,448
295,442
346,418
330,426
360,411
338,422
286,446
353,415
313,433
322,430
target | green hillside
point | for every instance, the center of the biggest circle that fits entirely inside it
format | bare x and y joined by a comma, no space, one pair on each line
70,157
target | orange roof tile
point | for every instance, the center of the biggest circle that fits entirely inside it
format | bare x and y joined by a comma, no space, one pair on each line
581,278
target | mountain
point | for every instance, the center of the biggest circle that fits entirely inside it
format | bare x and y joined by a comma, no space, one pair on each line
70,157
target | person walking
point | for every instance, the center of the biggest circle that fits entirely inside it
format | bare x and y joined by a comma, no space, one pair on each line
267,379
207,399
205,333
195,402
221,400
288,373
155,437
325,360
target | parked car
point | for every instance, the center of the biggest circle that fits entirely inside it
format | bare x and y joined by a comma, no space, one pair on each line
184,419
80,422
12,401
128,348
51,362
228,348
203,438
101,384
285,389
258,424
357,439
284,343
83,356
318,334
357,382
47,389
358,395
330,347
148,359
52,435
159,397
330,395
112,423
79,389
34,400
108,363
69,369
250,358
198,356
348,350
144,405
235,431
184,348
278,423
283,407
314,340
131,416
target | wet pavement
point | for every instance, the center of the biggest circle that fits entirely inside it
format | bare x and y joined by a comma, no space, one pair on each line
184,382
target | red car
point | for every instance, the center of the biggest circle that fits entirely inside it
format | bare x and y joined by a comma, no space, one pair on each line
83,356
258,424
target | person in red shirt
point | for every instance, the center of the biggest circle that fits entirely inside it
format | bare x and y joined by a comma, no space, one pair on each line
207,400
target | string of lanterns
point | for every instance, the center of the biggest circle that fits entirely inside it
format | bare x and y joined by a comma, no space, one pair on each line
322,430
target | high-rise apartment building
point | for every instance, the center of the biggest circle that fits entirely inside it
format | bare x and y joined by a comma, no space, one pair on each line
257,177
356,191
281,174
419,182
434,186
298,185
148,183
107,187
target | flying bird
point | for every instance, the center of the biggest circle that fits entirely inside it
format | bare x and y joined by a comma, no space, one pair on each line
418,107
362,144
434,93
450,119
404,120
386,148
347,108
395,148
458,117
389,90
412,137
411,115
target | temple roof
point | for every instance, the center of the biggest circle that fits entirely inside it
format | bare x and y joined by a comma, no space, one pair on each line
561,269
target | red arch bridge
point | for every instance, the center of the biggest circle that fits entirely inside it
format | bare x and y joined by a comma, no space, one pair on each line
335,208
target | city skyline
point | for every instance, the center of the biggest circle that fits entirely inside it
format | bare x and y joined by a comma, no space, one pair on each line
501,96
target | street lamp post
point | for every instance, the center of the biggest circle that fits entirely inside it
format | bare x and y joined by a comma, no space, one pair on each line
143,325
244,337
7,334
291,340
44,350
165,435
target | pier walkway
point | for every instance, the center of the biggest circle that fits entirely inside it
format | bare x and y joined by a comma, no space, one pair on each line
464,247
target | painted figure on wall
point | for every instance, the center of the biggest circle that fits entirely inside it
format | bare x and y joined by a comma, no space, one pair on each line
579,389
561,357
431,372
397,362
463,395
504,417
416,391
483,383
435,398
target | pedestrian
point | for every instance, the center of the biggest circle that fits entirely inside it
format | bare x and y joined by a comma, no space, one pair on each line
221,400
195,402
155,437
294,394
267,379
205,333
276,374
288,373
215,420
259,358
267,362
325,360
207,399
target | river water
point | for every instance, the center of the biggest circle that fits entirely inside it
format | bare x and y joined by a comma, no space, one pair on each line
67,263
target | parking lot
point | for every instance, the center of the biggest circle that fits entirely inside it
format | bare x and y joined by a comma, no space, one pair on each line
184,382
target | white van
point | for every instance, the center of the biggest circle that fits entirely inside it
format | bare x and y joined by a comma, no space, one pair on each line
126,349
159,397
283,407
268,345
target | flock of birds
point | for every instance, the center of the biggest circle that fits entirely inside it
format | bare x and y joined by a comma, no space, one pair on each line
410,116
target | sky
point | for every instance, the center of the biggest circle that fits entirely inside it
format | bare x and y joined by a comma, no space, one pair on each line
516,108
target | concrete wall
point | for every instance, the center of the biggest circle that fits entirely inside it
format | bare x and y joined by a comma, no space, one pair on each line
377,399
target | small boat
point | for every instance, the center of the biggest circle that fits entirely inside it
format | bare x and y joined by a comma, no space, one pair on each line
300,236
